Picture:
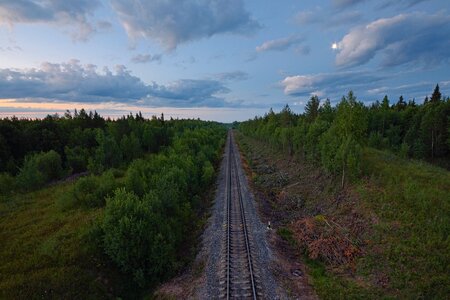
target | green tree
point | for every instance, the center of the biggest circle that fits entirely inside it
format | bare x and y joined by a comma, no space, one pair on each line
312,108
436,96
341,145
138,237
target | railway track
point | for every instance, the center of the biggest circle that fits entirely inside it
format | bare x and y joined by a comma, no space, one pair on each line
239,275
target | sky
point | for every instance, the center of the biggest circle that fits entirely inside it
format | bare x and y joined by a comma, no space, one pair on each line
221,60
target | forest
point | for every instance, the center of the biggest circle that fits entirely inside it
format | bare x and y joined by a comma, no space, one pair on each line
360,193
333,137
146,179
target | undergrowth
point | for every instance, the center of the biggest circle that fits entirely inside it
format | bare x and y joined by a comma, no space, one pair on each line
404,246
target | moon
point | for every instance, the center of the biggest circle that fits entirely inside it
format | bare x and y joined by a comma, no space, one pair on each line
334,46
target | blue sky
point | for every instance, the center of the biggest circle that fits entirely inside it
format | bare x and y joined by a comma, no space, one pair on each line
219,60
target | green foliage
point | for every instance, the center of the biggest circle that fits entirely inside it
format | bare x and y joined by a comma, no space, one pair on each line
131,147
312,108
146,223
137,177
151,215
90,191
39,169
77,158
334,137
137,237
43,252
108,153
207,173
312,147
411,200
375,140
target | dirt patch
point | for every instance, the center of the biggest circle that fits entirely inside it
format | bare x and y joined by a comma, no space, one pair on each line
183,286
309,211
288,267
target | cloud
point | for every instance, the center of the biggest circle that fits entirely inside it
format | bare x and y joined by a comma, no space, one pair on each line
73,82
189,93
402,3
56,12
232,76
367,85
346,3
173,22
146,58
330,84
10,49
328,18
308,17
104,25
280,44
404,39
303,50
344,18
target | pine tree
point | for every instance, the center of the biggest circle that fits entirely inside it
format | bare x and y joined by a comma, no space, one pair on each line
312,108
385,103
401,104
436,96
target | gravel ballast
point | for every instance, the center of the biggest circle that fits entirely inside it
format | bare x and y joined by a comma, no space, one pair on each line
214,240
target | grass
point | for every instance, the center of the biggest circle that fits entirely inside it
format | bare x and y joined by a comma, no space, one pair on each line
410,242
43,252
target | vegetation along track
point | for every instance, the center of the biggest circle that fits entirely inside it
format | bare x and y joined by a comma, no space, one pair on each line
239,278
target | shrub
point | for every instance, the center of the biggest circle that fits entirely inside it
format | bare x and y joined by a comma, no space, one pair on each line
90,191
137,236
50,164
84,191
136,179
39,169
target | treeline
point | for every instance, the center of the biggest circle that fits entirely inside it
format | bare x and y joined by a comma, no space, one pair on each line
147,176
35,152
333,137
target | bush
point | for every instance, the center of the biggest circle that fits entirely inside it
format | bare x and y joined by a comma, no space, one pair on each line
77,158
39,169
137,177
90,191
137,236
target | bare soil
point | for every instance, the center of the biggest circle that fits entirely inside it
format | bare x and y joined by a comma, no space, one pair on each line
327,223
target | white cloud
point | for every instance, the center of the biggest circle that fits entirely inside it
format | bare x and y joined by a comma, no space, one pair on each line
173,22
327,83
407,38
